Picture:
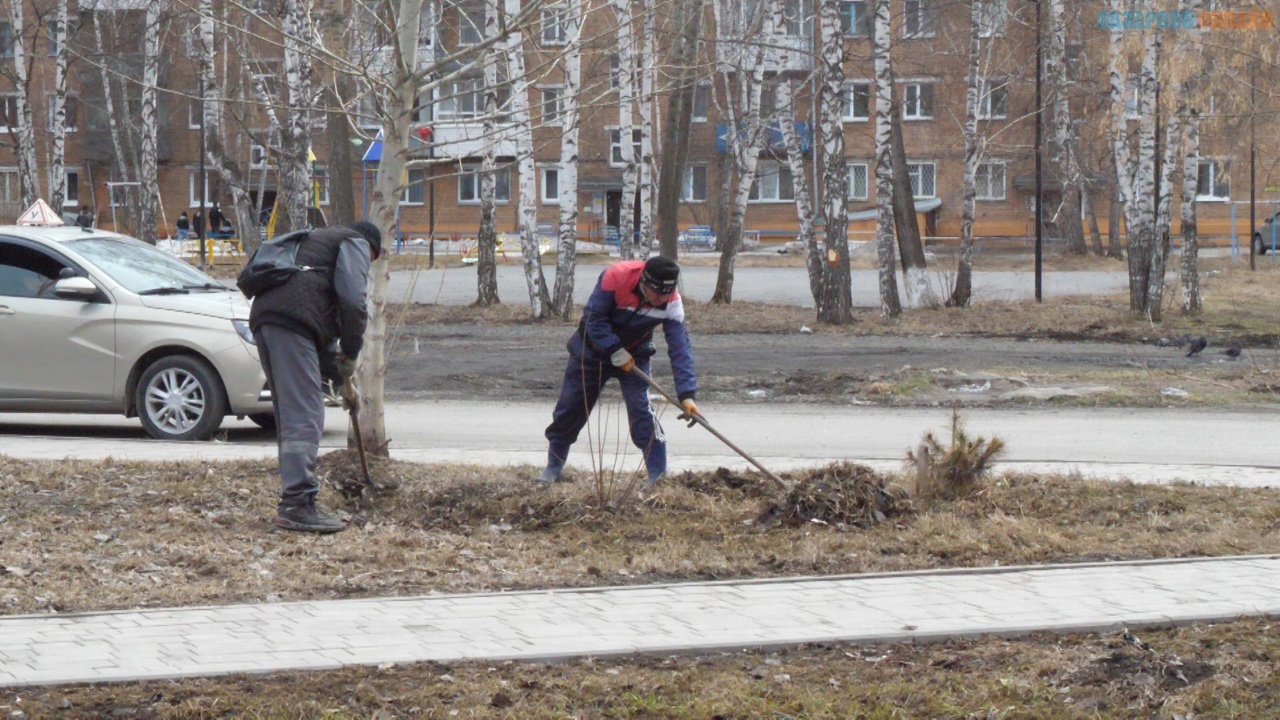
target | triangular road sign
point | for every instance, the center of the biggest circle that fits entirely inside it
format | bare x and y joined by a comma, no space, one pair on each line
40,214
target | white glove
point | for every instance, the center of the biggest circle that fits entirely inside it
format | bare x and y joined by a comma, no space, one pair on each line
622,359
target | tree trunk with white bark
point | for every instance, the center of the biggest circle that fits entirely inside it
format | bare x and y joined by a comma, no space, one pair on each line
1190,271
149,188
647,65
1067,162
58,139
890,305
1142,230
567,175
487,236
24,135
962,292
626,127
527,209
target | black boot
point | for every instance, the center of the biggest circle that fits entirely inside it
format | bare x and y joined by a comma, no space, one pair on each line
306,516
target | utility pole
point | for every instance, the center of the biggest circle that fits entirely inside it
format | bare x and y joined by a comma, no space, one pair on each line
1039,163
1253,154
203,219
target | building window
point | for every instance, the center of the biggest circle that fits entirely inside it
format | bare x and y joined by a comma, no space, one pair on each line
701,101
415,187
1213,180
989,181
6,39
194,107
9,109
922,179
857,102
1132,99
320,183
918,19
615,147
550,186
462,99
469,185
193,188
551,107
10,187
773,183
917,101
257,157
854,19
470,24
858,181
694,187
52,30
793,21
555,25
72,198
993,17
71,119
993,99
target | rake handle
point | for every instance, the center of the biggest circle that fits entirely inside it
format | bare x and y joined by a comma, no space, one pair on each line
782,485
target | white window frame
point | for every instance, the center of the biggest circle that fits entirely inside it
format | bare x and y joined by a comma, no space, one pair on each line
410,175
764,190
849,107
448,103
549,184
556,118
192,185
257,157
555,25
706,89
992,23
72,26
615,145
926,19
71,200
986,193
913,107
10,186
471,173
5,99
915,172
1133,98
853,23
987,89
851,186
1217,167
688,186
194,109
322,178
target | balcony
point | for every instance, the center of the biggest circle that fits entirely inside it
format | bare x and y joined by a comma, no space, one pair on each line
772,137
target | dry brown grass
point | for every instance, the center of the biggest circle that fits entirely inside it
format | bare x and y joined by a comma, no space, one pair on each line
99,535
1204,671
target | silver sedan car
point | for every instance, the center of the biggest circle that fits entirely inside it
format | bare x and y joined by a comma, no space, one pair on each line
95,322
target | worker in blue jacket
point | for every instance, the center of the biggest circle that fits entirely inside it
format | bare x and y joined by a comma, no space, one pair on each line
615,336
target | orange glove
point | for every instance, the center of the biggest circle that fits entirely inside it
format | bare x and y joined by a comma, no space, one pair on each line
622,360
690,412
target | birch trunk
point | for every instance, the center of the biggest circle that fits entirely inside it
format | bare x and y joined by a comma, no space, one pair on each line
890,306
804,203
1190,272
626,124
1142,233
295,137
566,259
910,248
24,135
149,189
123,168
745,139
1120,154
962,293
58,139
384,205
834,304
1164,215
647,64
1070,217
487,237
539,300
1091,213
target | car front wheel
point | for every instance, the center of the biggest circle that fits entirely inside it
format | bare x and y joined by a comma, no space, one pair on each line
180,398
1259,247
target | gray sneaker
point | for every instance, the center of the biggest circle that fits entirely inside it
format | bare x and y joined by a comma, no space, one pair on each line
308,517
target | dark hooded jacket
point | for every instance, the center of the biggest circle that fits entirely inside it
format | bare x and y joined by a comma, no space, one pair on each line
328,301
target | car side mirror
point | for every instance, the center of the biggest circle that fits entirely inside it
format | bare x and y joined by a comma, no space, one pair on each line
76,287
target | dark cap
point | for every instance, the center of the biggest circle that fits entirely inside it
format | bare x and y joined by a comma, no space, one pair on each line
661,274
370,232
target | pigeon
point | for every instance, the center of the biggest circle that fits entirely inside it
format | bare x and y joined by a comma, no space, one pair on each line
1233,351
1197,345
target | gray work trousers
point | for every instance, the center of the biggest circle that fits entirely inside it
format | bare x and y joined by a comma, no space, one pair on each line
292,365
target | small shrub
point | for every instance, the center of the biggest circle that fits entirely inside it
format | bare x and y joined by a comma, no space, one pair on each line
955,470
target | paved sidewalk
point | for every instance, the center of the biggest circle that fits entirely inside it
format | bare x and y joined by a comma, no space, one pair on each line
545,625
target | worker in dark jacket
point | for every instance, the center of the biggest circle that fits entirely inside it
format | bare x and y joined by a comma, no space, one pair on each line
293,325
615,335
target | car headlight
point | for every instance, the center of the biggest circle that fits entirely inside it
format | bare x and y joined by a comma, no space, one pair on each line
242,329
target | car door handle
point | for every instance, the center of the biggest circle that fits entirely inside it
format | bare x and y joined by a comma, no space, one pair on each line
6,310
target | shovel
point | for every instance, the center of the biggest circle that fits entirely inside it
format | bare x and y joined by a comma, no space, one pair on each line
351,398
782,485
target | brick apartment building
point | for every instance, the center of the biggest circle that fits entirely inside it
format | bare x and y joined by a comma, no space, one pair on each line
930,40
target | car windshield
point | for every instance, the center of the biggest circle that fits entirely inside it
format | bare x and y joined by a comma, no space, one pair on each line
141,268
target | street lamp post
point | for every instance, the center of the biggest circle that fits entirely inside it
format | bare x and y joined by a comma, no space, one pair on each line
203,220
1039,161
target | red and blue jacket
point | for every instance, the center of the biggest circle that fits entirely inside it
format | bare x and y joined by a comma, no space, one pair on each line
618,316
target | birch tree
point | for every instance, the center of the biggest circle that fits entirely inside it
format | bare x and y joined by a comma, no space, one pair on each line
58,120
1190,272
890,306
24,134
1142,229
149,188
1069,214
294,139
745,137
626,125
539,300
487,236
123,165
962,292
804,203
646,69
567,174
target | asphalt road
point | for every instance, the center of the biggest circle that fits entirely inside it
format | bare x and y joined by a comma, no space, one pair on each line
1144,444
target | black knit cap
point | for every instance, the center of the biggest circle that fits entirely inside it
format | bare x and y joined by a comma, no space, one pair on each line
370,233
661,274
